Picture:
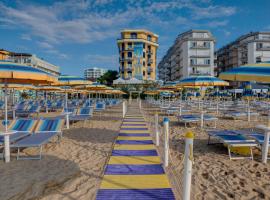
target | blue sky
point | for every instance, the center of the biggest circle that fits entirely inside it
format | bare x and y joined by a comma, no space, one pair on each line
76,34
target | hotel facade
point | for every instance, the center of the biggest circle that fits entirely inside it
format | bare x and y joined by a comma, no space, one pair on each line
192,54
250,48
137,54
94,73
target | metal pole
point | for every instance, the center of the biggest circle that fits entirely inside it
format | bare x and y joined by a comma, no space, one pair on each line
188,165
202,113
156,129
124,109
166,145
6,137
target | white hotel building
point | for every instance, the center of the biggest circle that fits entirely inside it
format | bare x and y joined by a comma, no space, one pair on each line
192,54
250,48
94,73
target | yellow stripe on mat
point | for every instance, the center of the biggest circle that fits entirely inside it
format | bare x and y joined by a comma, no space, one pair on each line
134,160
134,182
134,147
133,138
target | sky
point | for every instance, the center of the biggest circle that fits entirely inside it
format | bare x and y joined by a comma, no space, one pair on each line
77,34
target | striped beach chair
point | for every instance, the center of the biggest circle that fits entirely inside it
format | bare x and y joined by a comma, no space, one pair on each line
45,131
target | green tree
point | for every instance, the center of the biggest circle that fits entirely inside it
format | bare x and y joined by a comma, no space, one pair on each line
108,77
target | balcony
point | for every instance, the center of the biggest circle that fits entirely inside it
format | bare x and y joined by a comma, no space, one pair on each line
200,47
197,73
150,61
149,69
149,52
199,65
125,59
264,48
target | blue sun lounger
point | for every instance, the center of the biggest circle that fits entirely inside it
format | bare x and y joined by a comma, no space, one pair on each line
189,119
44,132
237,140
100,107
82,114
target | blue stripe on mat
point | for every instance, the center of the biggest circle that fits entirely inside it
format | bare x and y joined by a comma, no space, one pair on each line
135,129
127,120
134,124
152,152
137,194
134,134
134,142
134,169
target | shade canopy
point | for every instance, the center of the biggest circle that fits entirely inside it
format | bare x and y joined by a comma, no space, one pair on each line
23,74
18,86
48,88
202,81
66,80
259,72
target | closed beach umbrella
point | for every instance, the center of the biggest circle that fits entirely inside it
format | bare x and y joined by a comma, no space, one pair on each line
259,72
20,74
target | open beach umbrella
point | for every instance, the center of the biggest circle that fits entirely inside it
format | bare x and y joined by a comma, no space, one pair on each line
202,81
20,74
259,72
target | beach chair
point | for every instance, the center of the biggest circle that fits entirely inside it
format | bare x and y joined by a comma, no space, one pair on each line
100,107
82,114
22,128
45,131
188,119
236,141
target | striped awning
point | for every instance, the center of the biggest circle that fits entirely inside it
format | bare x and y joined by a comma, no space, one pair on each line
203,81
66,80
259,72
23,74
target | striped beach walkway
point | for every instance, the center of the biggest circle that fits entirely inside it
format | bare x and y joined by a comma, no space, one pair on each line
134,170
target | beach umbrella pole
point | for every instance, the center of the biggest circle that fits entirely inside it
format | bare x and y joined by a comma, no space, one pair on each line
6,134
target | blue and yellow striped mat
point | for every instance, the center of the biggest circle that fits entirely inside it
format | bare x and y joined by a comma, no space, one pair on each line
134,170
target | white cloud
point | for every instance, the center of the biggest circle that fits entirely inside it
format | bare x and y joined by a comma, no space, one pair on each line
215,24
26,37
211,12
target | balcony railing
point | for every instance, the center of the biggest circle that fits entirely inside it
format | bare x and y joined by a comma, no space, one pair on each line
265,48
149,69
199,65
200,47
150,61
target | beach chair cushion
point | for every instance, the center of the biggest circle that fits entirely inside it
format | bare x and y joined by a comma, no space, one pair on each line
49,125
23,125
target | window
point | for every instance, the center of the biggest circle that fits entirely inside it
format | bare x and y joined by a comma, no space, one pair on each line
129,54
144,54
258,59
207,61
149,37
206,44
130,45
259,45
133,35
143,73
143,63
193,61
193,44
123,55
129,64
123,46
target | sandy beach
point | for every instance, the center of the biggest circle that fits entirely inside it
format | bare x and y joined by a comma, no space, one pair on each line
69,170
214,175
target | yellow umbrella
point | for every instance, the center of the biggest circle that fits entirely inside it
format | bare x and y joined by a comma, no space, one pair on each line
22,74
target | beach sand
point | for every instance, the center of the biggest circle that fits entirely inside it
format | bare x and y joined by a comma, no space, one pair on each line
214,175
69,170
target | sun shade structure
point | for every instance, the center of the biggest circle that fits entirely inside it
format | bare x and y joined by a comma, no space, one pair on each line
259,72
66,80
20,74
18,86
203,81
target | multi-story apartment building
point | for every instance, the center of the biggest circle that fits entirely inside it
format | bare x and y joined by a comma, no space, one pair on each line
137,54
251,48
30,60
192,54
94,73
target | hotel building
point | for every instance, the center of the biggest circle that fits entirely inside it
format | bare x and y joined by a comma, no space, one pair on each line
30,60
137,54
94,73
250,48
192,54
